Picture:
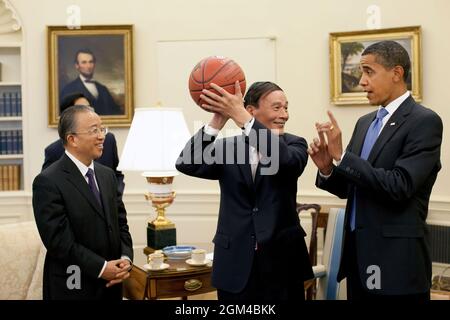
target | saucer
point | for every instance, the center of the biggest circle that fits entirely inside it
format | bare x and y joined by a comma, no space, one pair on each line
197,264
164,266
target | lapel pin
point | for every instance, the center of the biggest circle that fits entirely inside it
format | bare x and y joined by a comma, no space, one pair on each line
392,123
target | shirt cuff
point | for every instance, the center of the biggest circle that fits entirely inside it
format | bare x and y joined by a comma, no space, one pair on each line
325,176
248,126
126,258
210,130
103,269
337,163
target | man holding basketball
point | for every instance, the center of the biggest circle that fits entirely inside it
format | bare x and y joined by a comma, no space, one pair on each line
260,251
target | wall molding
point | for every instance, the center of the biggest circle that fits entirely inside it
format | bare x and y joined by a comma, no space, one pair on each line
9,19
194,213
198,203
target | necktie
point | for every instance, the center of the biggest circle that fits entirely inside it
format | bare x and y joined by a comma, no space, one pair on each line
369,141
93,186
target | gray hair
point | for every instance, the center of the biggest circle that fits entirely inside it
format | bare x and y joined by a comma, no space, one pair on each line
67,123
390,54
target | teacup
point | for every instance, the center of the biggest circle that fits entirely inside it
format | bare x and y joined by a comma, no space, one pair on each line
155,260
198,255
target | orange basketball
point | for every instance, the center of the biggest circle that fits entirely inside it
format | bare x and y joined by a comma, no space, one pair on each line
216,69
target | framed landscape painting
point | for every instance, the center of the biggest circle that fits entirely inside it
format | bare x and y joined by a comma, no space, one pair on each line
345,53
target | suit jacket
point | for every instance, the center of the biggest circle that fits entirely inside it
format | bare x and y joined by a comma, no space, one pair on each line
261,211
109,158
104,104
393,188
77,232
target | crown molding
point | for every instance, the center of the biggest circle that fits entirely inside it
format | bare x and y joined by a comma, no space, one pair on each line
9,19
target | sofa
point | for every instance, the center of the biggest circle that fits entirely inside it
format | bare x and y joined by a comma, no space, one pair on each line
22,256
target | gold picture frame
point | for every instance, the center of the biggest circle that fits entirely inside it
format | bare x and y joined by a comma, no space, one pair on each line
108,81
345,52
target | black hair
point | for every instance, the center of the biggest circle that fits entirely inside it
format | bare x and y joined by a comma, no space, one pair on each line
259,90
69,100
84,51
389,54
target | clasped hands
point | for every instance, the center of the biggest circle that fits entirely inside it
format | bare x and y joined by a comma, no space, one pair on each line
116,271
327,146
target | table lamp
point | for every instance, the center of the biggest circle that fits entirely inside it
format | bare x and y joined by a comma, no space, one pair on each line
154,142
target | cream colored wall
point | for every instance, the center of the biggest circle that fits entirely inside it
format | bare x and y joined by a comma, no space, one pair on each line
301,29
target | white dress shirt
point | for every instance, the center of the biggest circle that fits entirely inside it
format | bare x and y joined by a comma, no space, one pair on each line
392,107
90,86
83,168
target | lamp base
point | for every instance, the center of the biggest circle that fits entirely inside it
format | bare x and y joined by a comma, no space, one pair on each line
159,238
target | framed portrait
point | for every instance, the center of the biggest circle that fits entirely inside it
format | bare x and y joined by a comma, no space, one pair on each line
96,61
345,53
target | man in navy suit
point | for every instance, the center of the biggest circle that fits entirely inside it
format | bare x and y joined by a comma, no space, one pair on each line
387,173
102,101
260,250
109,157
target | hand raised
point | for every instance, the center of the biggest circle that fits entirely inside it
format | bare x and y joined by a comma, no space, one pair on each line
334,136
227,104
318,151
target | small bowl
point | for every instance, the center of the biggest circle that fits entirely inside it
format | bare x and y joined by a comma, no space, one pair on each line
178,252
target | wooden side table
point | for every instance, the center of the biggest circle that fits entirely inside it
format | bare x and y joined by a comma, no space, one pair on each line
179,280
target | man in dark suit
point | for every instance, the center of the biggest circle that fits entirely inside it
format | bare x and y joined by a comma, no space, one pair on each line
387,173
260,251
109,156
102,101
81,220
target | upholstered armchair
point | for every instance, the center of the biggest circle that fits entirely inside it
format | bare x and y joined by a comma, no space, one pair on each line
324,286
22,257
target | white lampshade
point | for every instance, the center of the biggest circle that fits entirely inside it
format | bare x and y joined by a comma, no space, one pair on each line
154,142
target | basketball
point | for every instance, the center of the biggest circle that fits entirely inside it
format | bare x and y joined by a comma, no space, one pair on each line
216,69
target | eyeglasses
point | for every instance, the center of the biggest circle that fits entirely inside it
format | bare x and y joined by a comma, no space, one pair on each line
94,131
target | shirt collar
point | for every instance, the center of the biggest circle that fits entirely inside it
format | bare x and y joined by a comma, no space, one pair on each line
84,79
393,105
80,165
